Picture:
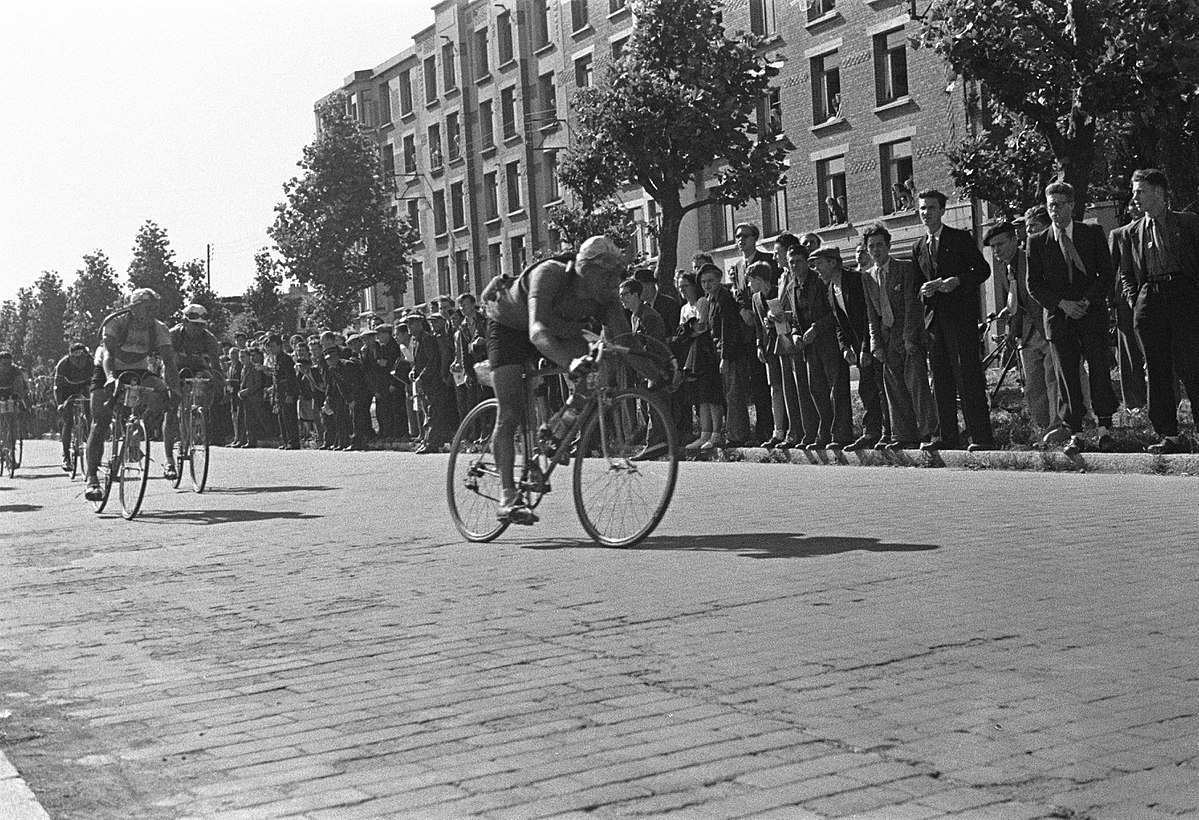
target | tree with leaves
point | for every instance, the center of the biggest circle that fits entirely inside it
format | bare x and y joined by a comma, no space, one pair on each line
46,341
263,300
336,231
93,295
577,222
153,266
683,98
1063,66
14,325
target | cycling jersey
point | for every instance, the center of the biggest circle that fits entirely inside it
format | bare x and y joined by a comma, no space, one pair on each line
195,351
133,346
70,378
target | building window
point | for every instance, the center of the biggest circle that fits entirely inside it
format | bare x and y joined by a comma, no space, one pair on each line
774,213
773,114
637,240
547,91
448,75
541,23
491,195
384,103
890,66
553,190
830,191
430,79
457,205
819,8
418,282
462,269
762,19
435,155
414,215
899,189
517,244
410,154
826,87
508,111
387,155
482,59
618,48
721,223
486,125
453,136
405,93
651,227
583,71
515,201
503,36
445,285
439,226
495,259
616,5
579,16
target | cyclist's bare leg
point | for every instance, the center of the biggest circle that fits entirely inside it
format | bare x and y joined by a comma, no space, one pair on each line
509,388
101,421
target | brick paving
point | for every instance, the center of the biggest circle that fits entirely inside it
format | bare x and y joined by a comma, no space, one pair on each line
309,641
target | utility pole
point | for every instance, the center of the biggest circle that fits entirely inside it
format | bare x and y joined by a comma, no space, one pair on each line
208,264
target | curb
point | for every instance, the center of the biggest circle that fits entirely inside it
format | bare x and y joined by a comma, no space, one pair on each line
17,801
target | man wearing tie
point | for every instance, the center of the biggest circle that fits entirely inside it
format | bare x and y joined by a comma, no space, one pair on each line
951,268
1159,273
1069,273
1026,324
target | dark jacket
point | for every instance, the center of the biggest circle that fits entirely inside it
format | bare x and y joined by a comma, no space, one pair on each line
1050,279
957,255
853,328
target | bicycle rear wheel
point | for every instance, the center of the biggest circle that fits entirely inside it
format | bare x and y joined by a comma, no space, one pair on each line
79,433
133,468
18,446
625,469
184,445
472,478
197,454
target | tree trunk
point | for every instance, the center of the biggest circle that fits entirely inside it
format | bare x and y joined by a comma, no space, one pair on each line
668,244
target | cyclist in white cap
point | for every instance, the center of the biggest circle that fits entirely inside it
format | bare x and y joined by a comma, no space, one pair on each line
130,337
198,355
543,313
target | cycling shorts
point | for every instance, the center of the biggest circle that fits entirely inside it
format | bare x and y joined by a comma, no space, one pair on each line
506,345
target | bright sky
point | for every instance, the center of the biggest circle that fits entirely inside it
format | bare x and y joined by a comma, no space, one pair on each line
191,114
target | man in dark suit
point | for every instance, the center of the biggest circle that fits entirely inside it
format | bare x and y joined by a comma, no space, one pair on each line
1130,356
1159,272
1070,273
951,269
848,301
1026,325
747,236
665,306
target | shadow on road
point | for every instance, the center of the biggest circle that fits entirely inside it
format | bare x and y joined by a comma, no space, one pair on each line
755,545
257,490
223,516
19,507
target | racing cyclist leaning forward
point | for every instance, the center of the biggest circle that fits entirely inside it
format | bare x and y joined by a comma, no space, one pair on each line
129,337
72,377
544,313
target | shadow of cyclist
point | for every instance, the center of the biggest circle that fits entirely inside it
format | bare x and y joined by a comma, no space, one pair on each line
223,516
753,545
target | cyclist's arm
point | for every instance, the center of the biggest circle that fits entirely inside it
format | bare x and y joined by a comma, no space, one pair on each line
170,368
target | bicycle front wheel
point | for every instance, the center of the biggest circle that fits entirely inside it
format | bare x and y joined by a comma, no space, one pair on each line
18,447
473,479
625,468
79,433
133,468
104,470
197,454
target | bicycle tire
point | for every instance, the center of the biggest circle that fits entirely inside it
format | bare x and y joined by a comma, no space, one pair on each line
184,445
133,468
6,462
473,489
79,433
104,469
607,488
197,456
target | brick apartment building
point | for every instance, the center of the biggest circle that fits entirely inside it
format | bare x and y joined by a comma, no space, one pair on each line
470,117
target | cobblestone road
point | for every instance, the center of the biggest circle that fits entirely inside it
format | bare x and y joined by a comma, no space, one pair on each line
310,639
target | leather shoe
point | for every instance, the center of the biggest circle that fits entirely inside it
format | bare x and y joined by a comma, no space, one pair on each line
930,446
865,442
1165,447
772,442
900,446
788,444
975,447
1106,444
1074,446
837,446
816,445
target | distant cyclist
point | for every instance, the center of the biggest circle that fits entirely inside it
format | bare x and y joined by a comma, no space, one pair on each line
131,337
12,383
198,355
72,377
544,313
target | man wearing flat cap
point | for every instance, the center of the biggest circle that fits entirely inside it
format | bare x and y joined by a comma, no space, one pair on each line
1026,324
